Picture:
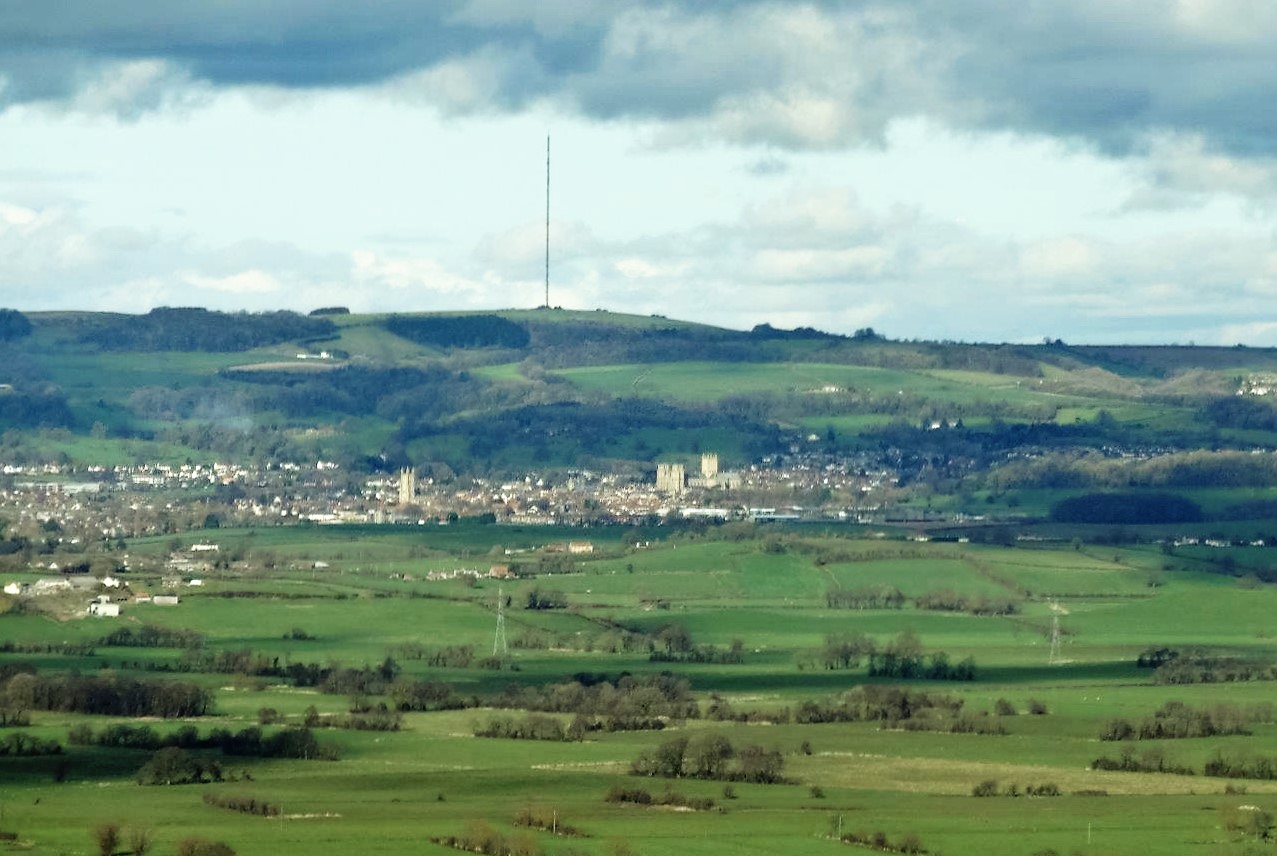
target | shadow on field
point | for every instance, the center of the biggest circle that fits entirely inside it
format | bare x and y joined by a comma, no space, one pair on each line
81,764
820,681
73,766
1115,672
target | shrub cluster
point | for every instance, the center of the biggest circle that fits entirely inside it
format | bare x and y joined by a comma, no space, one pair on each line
710,756
639,796
947,600
888,597
721,710
153,636
194,846
544,819
1198,668
113,695
733,655
1152,658
990,788
244,804
900,658
20,744
288,743
628,698
174,766
535,726
539,598
1238,766
933,667
1175,720
965,722
426,695
866,597
376,718
909,843
876,703
1149,761
480,837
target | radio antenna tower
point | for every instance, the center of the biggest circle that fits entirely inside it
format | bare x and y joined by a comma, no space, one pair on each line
547,221
1054,657
498,641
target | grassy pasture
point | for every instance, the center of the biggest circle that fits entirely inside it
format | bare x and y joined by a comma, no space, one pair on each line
391,792
711,381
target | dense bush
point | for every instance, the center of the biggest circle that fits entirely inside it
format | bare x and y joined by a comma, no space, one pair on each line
544,819
1240,766
289,743
113,695
531,727
1198,668
947,600
628,698
195,329
459,331
425,695
639,796
710,756
153,636
1175,720
480,837
194,846
865,597
1149,761
20,744
174,766
539,598
244,804
13,325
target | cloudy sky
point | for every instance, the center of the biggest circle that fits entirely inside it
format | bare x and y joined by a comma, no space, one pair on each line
994,170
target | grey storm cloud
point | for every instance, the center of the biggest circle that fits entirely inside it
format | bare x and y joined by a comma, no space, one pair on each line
816,75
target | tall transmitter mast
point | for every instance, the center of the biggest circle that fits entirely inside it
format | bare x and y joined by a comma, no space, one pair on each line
547,221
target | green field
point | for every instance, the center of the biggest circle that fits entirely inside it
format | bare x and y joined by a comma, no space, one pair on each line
391,792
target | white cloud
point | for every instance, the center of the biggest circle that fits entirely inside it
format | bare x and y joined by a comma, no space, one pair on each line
1058,259
244,282
426,277
129,90
1182,169
820,265
634,267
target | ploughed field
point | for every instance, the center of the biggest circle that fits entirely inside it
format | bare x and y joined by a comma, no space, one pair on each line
729,690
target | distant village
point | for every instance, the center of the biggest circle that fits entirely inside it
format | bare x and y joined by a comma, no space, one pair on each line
68,523
96,503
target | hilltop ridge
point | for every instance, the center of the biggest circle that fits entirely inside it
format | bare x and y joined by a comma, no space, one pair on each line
507,389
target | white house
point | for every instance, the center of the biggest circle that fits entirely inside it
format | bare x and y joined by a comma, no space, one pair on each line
13,588
104,610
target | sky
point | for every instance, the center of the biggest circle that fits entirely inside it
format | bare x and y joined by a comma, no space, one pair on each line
984,170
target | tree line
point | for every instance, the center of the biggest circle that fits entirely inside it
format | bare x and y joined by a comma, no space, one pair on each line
108,695
710,756
1176,720
195,329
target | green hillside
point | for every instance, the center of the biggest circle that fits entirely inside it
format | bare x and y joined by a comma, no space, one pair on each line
501,390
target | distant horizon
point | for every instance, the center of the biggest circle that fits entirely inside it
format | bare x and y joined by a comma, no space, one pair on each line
981,170
882,335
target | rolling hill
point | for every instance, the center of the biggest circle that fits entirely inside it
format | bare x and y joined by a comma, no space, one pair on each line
500,391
